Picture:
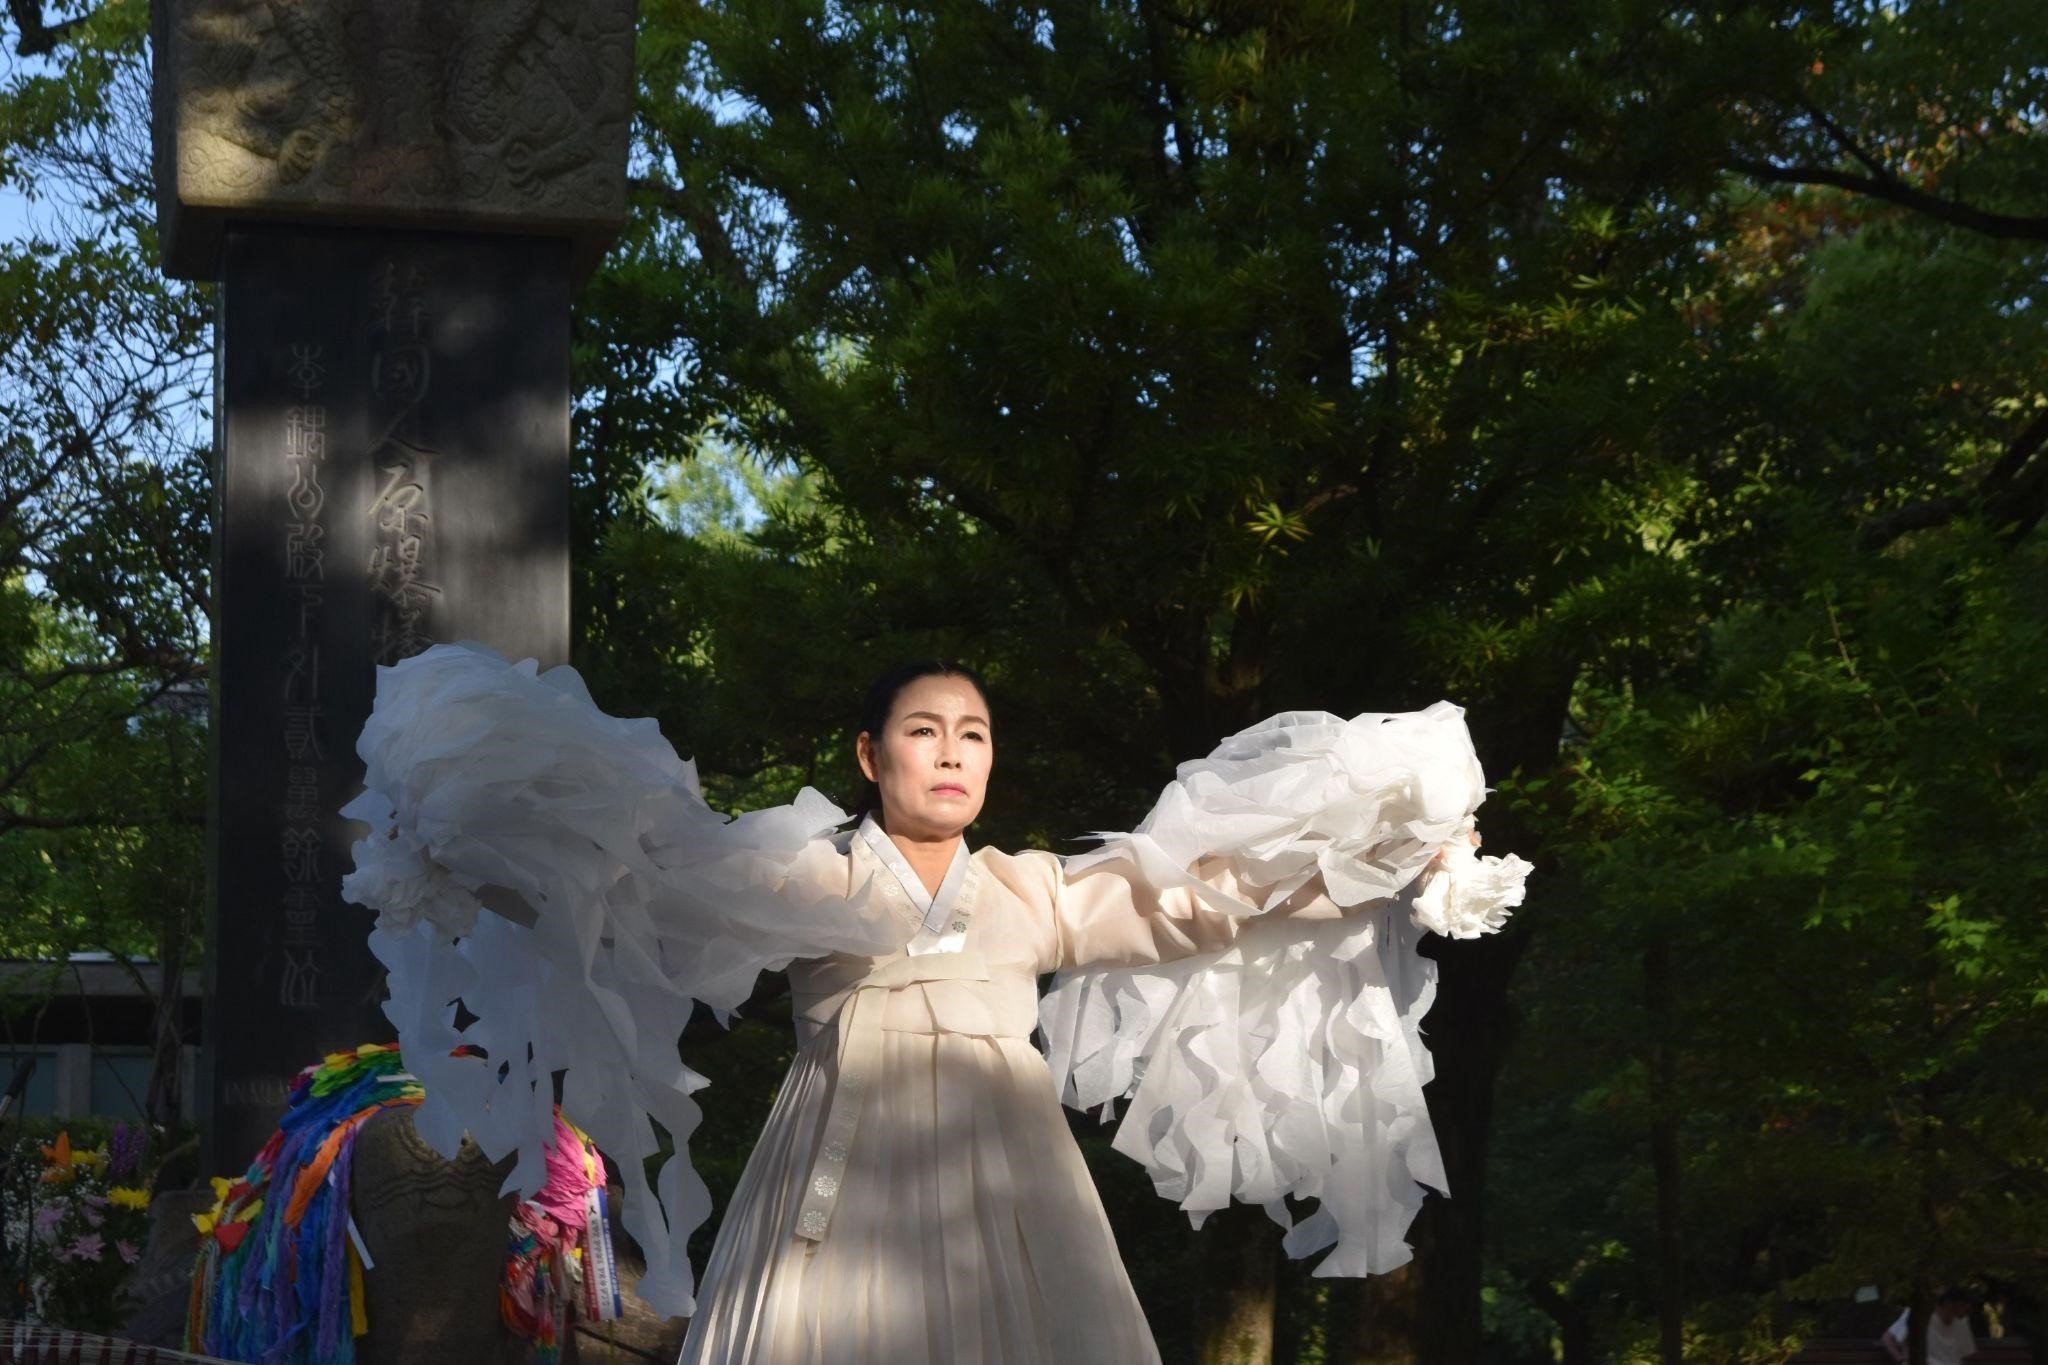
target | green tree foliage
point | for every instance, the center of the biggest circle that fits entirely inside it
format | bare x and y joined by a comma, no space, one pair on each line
1784,1046
103,521
1808,939
1932,108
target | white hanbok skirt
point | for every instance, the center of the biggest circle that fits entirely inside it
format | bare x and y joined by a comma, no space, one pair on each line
967,1232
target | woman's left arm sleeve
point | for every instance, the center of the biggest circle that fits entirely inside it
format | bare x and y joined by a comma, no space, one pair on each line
1304,816
1109,916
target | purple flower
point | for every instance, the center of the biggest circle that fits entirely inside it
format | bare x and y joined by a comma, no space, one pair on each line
47,1218
125,1150
90,1246
129,1251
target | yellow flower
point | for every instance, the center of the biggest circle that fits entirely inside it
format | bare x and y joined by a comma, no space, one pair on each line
205,1221
129,1197
92,1160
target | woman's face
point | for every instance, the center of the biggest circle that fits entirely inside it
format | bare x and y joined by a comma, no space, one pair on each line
932,759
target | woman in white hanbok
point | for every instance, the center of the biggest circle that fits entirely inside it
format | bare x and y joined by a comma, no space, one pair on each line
1242,968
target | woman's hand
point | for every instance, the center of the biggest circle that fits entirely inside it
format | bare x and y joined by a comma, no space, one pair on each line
1443,854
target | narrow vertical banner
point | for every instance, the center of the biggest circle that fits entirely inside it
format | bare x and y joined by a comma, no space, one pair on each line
601,1298
391,471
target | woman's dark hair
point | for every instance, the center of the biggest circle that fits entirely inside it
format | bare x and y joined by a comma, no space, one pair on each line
881,700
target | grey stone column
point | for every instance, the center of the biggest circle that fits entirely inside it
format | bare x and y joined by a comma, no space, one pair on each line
397,198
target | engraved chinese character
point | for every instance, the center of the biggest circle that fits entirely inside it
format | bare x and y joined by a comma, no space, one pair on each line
310,599
298,986
398,636
386,297
305,497
302,673
299,851
306,369
401,373
401,510
302,733
305,432
304,560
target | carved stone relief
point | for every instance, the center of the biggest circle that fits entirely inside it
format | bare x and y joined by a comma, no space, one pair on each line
506,114
436,1232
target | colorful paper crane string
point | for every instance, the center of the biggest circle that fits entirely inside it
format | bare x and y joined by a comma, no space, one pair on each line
560,1248
279,1278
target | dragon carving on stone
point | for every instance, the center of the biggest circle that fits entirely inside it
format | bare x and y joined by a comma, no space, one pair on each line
499,105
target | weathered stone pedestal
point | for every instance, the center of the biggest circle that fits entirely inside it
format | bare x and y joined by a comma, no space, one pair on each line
397,197
436,1230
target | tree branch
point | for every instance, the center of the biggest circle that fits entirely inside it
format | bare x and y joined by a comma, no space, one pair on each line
714,243
2023,448
1057,566
127,964
1891,189
81,443
1170,93
11,822
38,37
1845,140
2009,492
164,660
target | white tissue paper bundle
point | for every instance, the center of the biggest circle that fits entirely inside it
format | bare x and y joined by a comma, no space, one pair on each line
1292,1064
1467,895
621,899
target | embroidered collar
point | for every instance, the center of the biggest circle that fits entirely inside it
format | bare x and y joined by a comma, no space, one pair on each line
937,910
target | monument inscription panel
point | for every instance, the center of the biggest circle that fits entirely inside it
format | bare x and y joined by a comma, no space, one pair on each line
392,471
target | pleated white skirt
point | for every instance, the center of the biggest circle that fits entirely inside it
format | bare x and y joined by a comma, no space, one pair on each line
967,1230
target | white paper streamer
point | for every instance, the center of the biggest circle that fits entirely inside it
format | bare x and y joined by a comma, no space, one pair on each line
1292,1063
623,900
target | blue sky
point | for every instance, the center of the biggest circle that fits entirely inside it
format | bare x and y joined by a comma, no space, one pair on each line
14,209
13,214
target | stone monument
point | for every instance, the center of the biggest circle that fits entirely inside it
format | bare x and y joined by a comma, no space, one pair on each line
398,198
435,1231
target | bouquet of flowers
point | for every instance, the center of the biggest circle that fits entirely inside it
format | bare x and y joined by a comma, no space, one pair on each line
86,1221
